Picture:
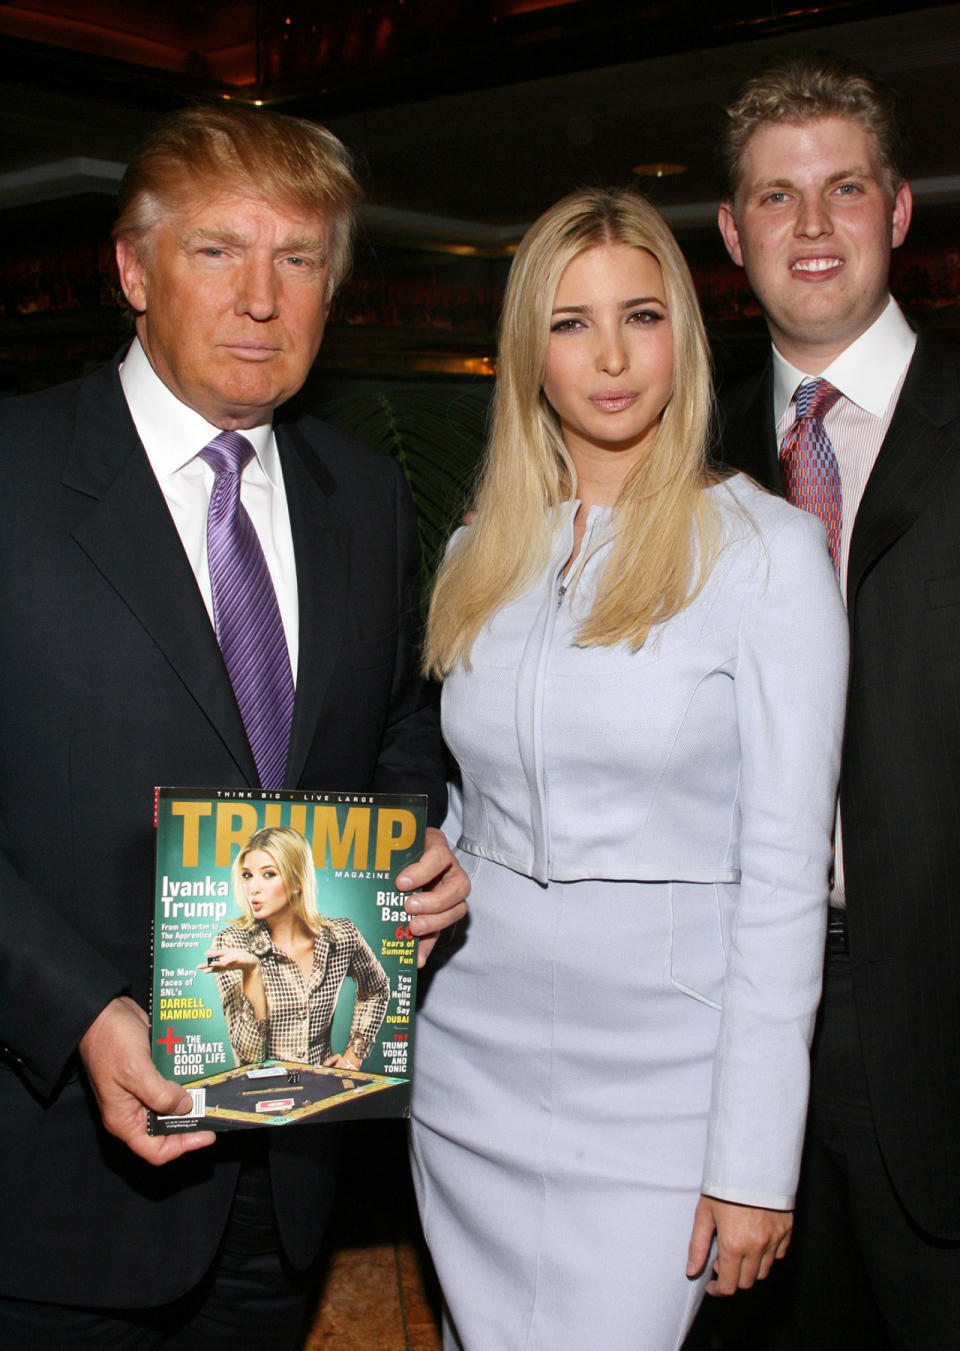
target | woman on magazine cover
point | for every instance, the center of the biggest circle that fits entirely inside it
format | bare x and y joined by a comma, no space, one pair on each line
645,670
279,969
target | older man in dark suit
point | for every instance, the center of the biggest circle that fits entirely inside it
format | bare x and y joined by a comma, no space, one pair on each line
145,644
856,417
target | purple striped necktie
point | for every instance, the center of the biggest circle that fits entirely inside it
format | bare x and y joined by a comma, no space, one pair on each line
809,465
246,616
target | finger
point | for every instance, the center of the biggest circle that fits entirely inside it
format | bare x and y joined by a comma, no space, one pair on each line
432,922
766,1264
726,1266
436,857
701,1238
424,949
173,1146
139,1014
749,1270
445,899
161,1149
126,1117
437,877
727,1277
152,1090
441,897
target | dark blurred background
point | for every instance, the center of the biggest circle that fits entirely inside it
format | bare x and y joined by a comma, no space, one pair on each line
469,118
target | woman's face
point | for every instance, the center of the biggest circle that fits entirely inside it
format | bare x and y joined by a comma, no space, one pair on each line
609,369
263,886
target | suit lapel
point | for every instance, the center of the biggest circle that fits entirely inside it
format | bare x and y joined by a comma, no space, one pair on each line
130,537
923,431
748,435
320,546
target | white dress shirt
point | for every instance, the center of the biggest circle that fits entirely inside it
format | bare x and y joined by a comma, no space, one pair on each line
869,375
173,436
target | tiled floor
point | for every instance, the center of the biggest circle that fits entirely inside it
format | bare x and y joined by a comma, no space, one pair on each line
380,1293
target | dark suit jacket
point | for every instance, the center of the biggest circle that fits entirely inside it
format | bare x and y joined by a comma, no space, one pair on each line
113,683
900,781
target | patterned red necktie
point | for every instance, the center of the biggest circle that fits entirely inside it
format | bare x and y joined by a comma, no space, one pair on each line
808,464
246,616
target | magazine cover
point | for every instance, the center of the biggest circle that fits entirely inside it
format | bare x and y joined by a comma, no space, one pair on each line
284,973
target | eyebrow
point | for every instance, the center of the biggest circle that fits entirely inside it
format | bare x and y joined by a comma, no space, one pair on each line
305,244
857,171
622,305
222,234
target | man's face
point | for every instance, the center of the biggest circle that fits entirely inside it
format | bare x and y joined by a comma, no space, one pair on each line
813,225
231,301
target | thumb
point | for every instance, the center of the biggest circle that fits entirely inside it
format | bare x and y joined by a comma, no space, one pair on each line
162,1095
700,1238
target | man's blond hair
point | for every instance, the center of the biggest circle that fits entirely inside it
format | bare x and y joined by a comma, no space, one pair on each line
802,87
229,148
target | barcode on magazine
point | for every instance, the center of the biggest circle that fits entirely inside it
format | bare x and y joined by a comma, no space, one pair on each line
198,1099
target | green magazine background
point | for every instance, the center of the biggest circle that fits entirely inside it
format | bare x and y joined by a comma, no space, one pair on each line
199,833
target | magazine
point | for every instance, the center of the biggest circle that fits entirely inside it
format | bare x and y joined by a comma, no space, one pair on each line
284,971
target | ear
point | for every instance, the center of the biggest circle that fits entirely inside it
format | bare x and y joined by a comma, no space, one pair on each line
731,235
902,213
132,272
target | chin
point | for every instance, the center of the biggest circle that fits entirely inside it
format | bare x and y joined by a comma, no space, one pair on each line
248,406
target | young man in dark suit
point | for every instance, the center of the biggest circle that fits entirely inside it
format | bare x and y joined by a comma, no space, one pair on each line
130,660
817,201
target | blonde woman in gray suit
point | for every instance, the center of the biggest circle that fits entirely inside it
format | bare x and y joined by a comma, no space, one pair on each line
644,672
280,968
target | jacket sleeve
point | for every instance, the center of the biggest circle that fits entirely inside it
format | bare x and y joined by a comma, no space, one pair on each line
41,956
373,994
790,691
247,1033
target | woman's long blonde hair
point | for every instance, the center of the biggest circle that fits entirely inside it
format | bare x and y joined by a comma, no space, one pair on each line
666,533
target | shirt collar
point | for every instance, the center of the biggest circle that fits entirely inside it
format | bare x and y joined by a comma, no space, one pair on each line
865,372
173,434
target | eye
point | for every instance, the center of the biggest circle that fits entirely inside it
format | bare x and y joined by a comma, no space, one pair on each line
847,189
302,262
245,874
645,318
566,325
776,198
212,251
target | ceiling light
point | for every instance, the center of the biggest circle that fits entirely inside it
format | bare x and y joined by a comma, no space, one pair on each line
658,170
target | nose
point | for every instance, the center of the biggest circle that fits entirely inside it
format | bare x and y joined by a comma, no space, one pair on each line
258,291
813,217
612,355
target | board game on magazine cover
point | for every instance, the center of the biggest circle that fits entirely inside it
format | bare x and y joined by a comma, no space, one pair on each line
284,973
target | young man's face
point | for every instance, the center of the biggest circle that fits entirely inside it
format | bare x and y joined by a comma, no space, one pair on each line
813,224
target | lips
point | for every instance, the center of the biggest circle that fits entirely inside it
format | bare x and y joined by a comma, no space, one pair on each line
613,401
253,351
816,267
